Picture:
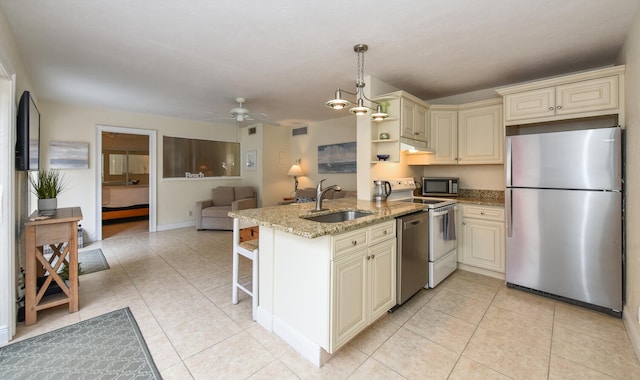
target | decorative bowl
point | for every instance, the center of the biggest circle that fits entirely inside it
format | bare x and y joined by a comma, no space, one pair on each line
382,157
384,136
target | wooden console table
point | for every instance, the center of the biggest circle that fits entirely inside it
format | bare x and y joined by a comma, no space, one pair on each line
53,231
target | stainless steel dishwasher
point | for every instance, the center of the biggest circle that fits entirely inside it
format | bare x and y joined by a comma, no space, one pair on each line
413,254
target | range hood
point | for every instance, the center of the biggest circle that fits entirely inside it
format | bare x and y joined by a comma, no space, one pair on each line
414,146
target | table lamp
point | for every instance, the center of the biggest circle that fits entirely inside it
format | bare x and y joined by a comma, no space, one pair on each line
295,171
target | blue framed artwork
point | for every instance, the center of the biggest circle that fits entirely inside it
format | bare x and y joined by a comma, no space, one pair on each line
337,158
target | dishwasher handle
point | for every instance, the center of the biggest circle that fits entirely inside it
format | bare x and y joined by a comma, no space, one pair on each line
415,223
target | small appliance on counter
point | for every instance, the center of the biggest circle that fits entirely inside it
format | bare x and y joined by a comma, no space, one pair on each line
381,190
440,186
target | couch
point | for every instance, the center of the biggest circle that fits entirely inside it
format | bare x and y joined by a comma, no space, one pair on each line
211,214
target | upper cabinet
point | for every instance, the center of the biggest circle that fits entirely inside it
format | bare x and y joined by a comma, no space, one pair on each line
592,93
480,134
407,122
471,133
413,119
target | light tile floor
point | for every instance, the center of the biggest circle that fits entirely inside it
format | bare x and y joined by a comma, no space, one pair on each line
178,285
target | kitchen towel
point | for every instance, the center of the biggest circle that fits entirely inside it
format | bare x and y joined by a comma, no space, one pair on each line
449,221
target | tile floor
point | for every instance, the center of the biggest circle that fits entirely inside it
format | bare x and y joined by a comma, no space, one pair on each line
177,284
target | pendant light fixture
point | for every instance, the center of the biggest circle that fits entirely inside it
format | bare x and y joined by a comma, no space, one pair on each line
339,103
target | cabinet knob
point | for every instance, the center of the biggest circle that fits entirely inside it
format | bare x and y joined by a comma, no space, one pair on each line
384,232
481,212
368,257
550,108
373,257
354,242
559,107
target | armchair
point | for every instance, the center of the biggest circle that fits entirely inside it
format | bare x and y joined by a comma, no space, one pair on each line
211,214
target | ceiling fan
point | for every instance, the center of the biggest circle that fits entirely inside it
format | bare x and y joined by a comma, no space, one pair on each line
240,114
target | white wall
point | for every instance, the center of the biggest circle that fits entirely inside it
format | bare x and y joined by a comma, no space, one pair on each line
13,196
305,147
630,55
64,122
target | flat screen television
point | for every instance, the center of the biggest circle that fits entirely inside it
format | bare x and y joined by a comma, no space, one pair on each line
28,134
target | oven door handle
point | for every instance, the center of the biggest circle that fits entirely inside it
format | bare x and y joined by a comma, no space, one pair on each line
440,213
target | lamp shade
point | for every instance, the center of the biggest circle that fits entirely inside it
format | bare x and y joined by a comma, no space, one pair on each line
295,170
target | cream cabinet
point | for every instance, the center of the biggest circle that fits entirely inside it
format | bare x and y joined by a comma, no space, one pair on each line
593,93
413,120
480,134
471,133
482,238
444,134
363,280
407,122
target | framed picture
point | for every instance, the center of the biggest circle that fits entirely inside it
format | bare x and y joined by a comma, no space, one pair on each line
337,158
68,155
252,160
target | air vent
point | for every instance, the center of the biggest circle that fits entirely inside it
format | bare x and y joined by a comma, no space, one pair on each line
252,130
299,131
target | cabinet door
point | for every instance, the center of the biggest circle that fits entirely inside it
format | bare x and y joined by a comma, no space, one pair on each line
407,118
483,244
586,96
444,136
480,135
420,123
382,278
530,104
348,297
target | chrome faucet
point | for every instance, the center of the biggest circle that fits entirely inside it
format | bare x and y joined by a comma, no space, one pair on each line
320,193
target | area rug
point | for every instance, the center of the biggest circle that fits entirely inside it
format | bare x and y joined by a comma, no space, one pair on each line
92,261
109,346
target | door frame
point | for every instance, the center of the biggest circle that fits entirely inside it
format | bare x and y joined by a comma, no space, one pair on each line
152,172
8,221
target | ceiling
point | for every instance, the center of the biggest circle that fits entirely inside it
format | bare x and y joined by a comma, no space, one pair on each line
186,59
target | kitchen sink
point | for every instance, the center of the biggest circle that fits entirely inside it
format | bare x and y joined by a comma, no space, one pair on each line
337,217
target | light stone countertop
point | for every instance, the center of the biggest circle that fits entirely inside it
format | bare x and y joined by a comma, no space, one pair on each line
287,218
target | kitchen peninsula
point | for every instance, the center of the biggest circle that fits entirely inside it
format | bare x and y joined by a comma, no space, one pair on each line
323,283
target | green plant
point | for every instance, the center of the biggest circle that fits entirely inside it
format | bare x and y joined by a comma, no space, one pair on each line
64,272
47,184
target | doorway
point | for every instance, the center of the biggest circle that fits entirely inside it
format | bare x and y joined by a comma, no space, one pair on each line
125,179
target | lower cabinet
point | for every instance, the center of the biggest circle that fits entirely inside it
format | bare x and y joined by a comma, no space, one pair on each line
363,284
483,237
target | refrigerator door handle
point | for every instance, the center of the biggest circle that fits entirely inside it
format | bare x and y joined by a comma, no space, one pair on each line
507,161
508,211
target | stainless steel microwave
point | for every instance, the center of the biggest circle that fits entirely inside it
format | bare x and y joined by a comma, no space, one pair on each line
440,186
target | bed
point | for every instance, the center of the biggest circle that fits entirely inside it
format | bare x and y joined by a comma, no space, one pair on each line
120,202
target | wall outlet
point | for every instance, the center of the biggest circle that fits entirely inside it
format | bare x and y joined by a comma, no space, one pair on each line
190,213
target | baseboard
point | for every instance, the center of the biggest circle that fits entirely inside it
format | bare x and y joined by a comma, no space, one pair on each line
482,271
4,335
633,330
311,351
265,319
167,227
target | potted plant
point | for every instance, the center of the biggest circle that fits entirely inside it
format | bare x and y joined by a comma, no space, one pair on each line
46,186
64,273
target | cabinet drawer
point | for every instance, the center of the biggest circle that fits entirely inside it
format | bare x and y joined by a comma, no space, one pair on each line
381,232
347,242
480,212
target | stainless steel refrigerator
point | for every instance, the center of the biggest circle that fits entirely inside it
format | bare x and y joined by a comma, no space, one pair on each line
564,209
